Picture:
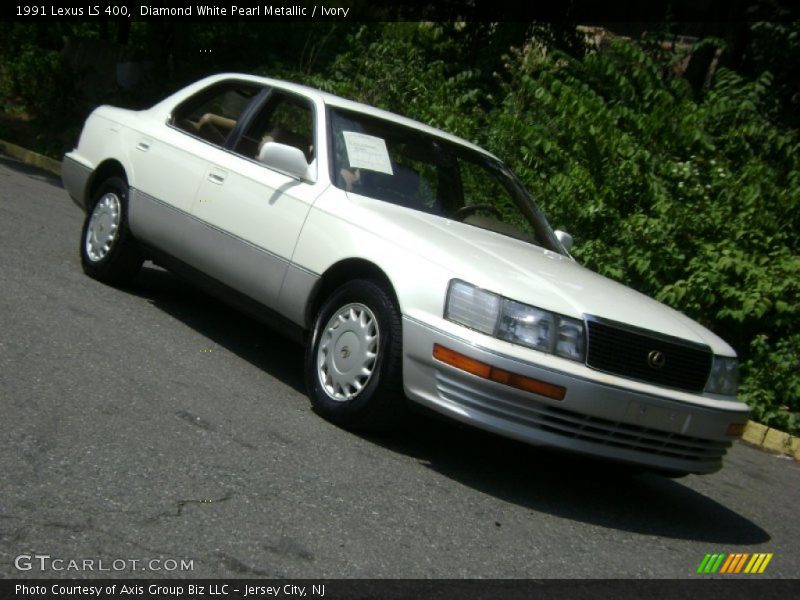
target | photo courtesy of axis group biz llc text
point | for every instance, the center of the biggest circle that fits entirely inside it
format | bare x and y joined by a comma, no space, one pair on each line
168,590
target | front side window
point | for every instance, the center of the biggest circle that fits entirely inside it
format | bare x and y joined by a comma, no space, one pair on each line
284,119
212,113
393,163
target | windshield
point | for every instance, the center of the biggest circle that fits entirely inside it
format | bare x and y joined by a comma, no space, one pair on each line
407,167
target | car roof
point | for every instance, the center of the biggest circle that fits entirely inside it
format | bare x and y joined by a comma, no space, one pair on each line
339,102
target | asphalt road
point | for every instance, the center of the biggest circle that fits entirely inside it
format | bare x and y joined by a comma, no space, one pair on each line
155,423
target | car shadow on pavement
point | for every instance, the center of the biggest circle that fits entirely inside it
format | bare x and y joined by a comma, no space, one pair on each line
541,480
246,337
571,486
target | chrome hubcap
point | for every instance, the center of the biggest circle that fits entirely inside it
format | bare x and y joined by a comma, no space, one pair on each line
103,227
348,351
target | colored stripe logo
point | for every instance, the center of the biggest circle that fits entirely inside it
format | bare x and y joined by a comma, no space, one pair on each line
734,564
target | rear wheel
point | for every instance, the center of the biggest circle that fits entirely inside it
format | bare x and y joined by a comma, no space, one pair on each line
353,358
108,250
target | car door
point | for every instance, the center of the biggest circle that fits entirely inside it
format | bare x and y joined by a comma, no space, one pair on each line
170,160
247,215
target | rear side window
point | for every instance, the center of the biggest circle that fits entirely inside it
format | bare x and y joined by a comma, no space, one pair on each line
212,113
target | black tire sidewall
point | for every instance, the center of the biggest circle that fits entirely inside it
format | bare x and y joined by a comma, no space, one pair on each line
379,398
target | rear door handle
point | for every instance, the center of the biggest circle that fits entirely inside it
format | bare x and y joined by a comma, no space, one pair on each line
144,146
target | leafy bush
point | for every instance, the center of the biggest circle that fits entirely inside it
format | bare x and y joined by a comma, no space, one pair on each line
400,68
30,78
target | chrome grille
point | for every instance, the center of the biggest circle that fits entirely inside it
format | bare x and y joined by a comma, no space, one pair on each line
625,352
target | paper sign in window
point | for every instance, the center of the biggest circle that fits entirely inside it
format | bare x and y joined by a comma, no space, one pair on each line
367,152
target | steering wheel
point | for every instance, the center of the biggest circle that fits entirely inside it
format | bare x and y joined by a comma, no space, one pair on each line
465,211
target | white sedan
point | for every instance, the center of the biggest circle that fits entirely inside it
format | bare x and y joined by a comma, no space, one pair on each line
413,264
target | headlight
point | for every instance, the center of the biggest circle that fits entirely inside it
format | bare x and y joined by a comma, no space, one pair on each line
527,326
724,378
515,322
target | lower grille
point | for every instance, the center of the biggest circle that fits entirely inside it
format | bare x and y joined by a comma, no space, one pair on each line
647,356
582,427
622,435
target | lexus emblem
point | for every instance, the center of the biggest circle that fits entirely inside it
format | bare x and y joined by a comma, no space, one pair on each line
656,359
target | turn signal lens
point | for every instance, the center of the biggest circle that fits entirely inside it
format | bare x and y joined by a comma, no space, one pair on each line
485,371
735,430
459,361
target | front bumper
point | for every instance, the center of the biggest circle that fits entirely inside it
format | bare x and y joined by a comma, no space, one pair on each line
593,418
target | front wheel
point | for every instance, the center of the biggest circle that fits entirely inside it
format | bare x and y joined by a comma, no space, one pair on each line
107,248
353,358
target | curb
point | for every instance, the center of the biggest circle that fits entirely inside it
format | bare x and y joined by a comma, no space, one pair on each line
31,158
754,434
771,440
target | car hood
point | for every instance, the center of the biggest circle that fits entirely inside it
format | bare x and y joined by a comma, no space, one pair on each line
525,272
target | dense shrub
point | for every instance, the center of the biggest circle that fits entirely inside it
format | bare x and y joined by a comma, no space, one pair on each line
401,69
30,79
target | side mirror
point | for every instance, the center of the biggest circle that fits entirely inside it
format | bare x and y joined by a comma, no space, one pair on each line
565,239
286,159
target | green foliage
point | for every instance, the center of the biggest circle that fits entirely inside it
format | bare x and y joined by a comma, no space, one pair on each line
771,384
30,78
775,47
34,83
401,70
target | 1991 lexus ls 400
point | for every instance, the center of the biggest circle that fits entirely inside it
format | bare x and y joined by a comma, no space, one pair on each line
413,264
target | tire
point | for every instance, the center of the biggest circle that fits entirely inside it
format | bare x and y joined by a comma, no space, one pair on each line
107,248
353,361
